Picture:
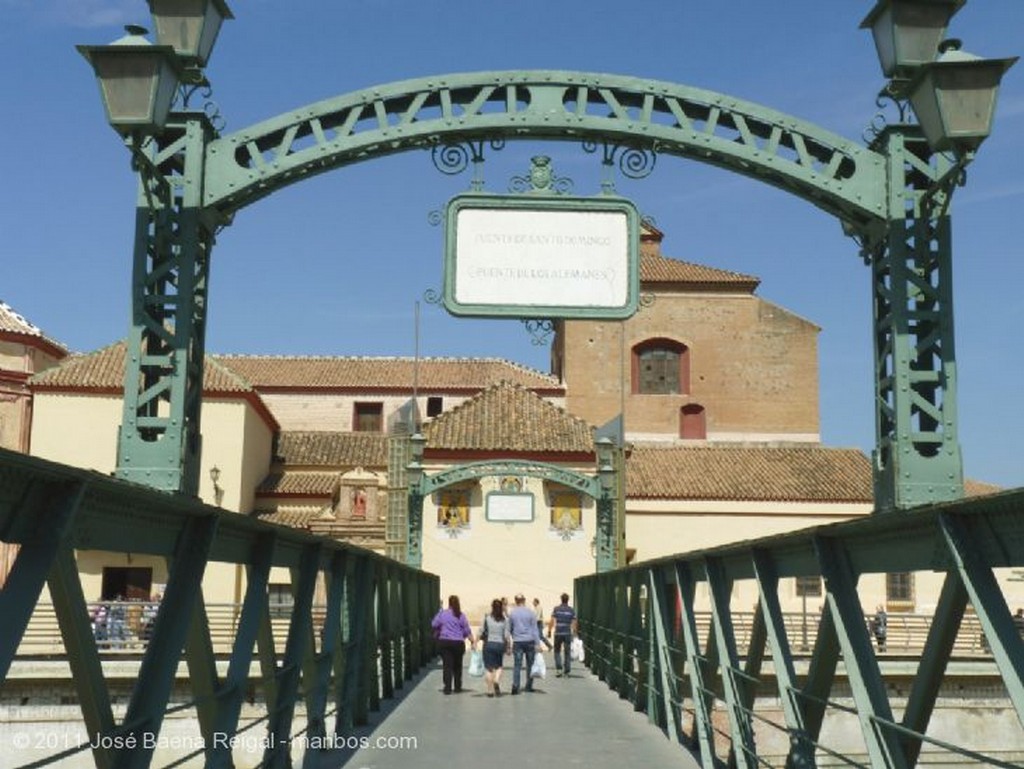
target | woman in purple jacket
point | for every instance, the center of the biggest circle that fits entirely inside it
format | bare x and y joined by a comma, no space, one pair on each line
451,628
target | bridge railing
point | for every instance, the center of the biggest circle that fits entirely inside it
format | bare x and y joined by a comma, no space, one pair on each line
699,676
340,659
907,632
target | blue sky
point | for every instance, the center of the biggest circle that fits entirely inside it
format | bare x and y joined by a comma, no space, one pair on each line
336,265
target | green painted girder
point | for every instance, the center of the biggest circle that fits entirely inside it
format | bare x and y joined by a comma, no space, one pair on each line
159,437
917,455
829,171
862,670
586,484
965,539
50,510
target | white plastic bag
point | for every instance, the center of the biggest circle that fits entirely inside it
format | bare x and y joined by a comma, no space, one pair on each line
577,652
476,663
540,667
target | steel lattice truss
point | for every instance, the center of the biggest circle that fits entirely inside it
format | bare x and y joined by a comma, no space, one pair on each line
917,454
372,637
584,483
830,171
166,345
642,638
887,196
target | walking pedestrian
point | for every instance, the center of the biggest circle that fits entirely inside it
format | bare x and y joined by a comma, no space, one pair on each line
563,623
496,639
523,630
451,628
540,623
880,627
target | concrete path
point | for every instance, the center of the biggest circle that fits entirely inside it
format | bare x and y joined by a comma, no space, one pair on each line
577,721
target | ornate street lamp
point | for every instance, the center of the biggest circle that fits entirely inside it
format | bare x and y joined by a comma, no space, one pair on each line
907,32
138,81
954,95
190,27
954,98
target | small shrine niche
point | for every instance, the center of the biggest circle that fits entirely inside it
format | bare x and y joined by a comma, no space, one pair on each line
358,496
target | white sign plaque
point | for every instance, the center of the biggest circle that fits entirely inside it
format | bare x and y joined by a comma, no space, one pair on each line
572,258
525,258
510,508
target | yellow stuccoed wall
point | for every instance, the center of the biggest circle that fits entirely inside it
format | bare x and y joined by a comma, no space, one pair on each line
81,430
494,559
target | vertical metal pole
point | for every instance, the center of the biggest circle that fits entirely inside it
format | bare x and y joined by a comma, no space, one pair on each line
414,539
917,454
159,438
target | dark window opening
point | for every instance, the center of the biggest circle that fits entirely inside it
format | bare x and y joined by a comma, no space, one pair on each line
126,583
368,418
435,405
899,587
279,599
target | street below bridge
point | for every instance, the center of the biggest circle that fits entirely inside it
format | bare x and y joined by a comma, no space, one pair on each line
575,721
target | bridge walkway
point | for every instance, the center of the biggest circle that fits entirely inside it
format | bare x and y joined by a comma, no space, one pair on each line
577,721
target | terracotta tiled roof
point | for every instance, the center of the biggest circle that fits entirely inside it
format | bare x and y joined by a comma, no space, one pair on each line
332,449
748,472
296,516
508,417
103,369
15,323
315,484
297,372
655,268
974,488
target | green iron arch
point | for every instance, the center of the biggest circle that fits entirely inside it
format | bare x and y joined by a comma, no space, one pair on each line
838,175
581,482
892,196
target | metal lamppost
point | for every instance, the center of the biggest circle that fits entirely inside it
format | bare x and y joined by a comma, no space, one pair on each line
414,477
606,476
159,438
917,458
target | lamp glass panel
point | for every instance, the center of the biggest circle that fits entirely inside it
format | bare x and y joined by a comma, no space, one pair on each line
137,87
918,32
882,31
907,33
189,26
967,100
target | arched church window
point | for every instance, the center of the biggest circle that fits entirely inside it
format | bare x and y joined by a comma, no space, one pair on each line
661,367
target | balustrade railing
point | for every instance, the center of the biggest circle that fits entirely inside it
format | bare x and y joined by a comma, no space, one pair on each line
736,686
340,658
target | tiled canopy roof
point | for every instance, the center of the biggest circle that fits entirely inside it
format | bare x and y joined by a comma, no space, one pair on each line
508,417
749,472
103,369
458,374
317,484
296,516
15,323
332,449
655,268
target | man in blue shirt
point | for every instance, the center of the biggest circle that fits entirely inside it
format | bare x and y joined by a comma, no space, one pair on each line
523,627
563,621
